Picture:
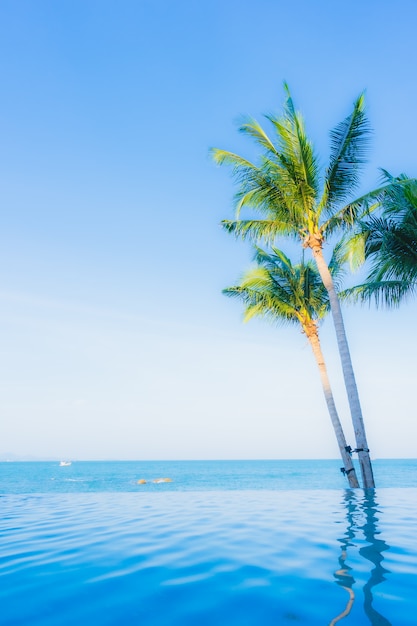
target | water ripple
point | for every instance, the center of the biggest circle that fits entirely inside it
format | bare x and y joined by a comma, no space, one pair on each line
179,559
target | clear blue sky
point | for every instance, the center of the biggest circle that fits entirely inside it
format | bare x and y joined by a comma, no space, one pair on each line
116,341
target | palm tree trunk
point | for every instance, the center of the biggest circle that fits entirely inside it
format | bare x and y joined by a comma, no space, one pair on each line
349,468
348,374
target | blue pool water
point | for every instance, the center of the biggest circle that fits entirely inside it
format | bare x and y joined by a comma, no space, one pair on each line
86,544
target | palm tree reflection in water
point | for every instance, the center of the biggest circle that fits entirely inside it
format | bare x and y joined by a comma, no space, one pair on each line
361,516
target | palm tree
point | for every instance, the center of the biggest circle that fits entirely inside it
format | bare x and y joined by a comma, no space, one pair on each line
389,242
296,199
293,294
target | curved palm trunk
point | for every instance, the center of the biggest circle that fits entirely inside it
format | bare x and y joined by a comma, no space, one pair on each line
348,374
349,468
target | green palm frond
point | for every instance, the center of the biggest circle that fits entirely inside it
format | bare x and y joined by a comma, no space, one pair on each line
267,308
280,291
400,199
224,157
385,293
255,230
259,303
391,238
271,260
397,255
353,247
251,127
373,231
349,142
395,198
349,215
296,155
264,189
300,146
389,243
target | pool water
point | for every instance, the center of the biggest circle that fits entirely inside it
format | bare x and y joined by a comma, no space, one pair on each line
209,557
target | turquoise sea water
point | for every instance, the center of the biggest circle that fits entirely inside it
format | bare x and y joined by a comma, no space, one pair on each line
225,543
122,476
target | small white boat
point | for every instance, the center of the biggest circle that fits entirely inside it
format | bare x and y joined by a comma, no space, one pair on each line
64,463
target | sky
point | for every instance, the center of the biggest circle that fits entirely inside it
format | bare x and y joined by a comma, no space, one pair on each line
116,341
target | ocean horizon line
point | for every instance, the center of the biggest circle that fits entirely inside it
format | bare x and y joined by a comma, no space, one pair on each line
24,459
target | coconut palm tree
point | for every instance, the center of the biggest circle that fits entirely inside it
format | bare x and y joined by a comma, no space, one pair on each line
293,294
389,242
296,199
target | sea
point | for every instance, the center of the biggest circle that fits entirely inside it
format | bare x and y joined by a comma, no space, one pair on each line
206,543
